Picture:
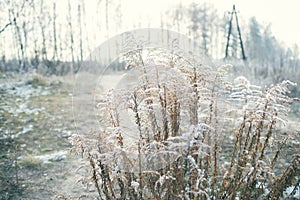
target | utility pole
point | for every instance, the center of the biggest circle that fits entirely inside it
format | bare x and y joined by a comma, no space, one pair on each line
230,32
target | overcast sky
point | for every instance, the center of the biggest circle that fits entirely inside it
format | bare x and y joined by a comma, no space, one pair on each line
283,15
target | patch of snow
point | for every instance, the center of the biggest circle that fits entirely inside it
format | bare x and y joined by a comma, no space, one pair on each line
290,189
135,185
53,157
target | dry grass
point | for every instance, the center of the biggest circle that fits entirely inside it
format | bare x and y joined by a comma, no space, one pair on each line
169,144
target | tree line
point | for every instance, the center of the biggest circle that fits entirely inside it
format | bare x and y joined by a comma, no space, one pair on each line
58,33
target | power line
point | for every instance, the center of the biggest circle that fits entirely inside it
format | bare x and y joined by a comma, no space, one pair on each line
230,33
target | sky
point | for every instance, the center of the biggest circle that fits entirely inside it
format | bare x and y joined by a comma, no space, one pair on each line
284,15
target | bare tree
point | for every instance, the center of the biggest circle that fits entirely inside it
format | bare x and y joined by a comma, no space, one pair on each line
106,18
80,34
14,14
87,41
35,59
69,18
5,27
54,16
41,20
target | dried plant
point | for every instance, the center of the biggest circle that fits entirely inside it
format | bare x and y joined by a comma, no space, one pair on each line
182,131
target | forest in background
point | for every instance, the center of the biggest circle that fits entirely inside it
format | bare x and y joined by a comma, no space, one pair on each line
55,37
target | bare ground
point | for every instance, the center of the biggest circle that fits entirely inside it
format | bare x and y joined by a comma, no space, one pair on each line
36,120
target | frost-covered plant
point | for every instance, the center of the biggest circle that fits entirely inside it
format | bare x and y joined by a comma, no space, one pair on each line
162,137
251,169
